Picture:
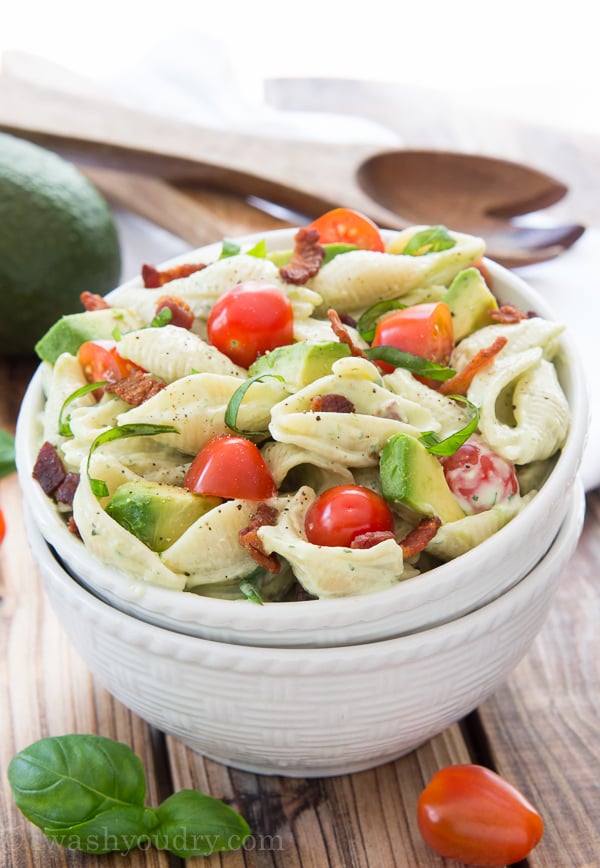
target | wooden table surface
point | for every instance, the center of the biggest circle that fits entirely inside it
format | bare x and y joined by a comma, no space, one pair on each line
540,729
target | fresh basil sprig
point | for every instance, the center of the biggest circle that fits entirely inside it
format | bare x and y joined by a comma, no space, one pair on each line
134,429
367,321
431,240
233,407
415,364
7,453
449,445
88,792
64,427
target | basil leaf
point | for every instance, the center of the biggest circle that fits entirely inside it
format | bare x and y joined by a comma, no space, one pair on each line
134,429
367,321
7,453
67,780
64,428
118,829
250,591
415,364
229,248
259,250
431,240
233,407
194,824
162,318
449,445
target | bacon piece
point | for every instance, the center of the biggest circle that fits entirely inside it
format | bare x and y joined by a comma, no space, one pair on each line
67,488
182,314
135,388
459,383
72,526
250,540
370,538
508,314
153,278
48,469
342,334
306,259
418,538
331,404
93,301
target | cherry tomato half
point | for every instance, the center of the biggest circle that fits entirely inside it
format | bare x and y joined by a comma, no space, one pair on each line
342,225
479,477
423,329
249,320
2,526
101,361
230,466
471,814
343,512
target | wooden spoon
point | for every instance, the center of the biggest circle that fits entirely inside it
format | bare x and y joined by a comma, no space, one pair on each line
396,188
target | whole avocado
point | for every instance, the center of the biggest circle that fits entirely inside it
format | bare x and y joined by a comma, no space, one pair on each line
57,239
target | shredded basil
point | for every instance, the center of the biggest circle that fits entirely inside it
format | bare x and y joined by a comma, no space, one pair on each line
162,318
233,407
64,427
250,591
449,445
368,320
135,429
431,240
415,364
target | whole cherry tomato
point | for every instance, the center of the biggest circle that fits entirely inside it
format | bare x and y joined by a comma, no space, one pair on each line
2,526
343,512
423,329
479,477
232,467
469,813
100,360
249,320
345,226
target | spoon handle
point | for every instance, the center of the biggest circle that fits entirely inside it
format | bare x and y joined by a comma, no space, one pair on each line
305,176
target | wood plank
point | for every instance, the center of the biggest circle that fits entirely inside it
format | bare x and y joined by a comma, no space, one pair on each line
542,725
360,820
45,689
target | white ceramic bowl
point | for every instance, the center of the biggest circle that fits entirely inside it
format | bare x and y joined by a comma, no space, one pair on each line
308,711
435,597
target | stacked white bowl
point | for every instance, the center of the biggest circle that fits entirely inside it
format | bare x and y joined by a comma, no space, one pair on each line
318,687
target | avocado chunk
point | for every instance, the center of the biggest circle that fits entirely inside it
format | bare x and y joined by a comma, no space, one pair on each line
301,363
282,257
70,331
156,513
413,477
470,302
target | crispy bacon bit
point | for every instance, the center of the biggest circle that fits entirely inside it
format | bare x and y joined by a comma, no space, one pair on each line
135,388
331,404
153,278
508,314
72,526
48,469
93,301
181,313
370,538
67,488
418,538
250,540
459,384
306,259
342,334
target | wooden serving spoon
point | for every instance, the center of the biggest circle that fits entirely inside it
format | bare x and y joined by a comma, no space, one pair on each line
396,188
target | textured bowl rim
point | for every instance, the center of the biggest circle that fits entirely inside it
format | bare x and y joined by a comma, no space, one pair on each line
189,608
248,658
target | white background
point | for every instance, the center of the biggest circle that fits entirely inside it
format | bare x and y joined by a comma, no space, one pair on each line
531,59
